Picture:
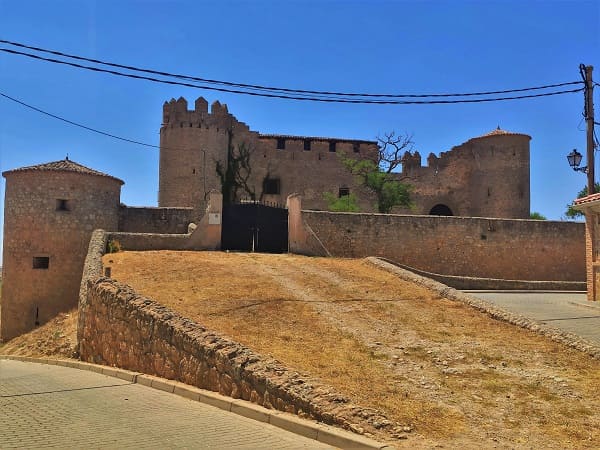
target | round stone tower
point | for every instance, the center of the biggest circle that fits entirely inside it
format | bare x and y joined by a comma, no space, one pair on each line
191,144
50,211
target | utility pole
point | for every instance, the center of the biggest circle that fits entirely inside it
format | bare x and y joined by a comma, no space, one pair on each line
586,73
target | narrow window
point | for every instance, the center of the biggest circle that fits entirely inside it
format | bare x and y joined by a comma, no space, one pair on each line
356,147
193,171
280,143
343,192
332,146
41,262
37,316
62,204
271,186
307,144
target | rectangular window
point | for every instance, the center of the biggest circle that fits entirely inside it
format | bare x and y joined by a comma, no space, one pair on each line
62,204
332,147
343,192
280,143
307,144
41,262
271,186
356,147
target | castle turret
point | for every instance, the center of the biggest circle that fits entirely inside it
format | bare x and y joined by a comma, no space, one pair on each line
50,211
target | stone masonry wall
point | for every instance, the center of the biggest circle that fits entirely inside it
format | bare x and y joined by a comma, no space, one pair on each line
155,220
118,327
477,247
49,215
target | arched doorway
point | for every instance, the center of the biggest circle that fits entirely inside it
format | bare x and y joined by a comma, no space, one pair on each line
440,210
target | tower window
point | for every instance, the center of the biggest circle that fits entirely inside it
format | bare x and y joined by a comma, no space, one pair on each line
41,262
343,192
307,144
272,186
280,143
356,147
62,204
332,147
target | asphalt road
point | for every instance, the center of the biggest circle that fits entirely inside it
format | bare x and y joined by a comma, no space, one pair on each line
568,311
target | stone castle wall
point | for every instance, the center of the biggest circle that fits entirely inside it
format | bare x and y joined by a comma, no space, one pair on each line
477,247
155,220
486,176
49,215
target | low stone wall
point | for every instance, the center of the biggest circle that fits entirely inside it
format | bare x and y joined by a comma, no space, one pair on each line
120,328
503,249
155,220
150,241
496,284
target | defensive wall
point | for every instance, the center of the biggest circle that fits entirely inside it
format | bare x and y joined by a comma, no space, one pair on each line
510,249
487,176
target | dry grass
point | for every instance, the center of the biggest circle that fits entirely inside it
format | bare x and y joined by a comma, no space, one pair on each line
445,369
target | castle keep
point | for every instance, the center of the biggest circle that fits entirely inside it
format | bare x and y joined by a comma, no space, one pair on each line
51,210
487,176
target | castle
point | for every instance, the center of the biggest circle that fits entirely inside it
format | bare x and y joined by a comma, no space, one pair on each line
51,209
487,176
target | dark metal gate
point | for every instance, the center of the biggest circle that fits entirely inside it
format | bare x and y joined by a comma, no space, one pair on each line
255,227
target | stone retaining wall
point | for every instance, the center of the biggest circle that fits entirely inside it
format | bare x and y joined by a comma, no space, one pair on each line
120,328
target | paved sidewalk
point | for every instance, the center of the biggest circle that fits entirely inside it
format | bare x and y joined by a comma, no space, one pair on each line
569,311
46,406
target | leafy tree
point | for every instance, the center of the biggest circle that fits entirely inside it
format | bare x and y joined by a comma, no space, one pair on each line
376,174
537,216
345,203
235,173
572,213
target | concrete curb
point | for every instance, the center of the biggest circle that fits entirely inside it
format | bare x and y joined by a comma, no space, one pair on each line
569,339
289,422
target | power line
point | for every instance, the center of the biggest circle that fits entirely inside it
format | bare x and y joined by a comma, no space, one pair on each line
290,97
272,88
104,133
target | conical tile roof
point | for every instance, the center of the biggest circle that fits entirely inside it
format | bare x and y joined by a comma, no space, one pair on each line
64,165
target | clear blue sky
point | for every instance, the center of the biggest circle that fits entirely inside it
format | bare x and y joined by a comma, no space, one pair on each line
364,46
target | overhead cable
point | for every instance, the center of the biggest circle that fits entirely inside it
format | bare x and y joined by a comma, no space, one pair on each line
286,96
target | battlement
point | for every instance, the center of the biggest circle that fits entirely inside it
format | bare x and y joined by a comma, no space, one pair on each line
497,141
177,114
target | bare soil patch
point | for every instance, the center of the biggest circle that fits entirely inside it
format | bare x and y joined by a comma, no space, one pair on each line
57,339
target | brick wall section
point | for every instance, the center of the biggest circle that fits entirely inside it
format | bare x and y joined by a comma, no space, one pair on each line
155,220
35,226
121,328
477,247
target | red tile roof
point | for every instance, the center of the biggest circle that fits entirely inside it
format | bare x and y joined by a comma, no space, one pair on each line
64,165
588,199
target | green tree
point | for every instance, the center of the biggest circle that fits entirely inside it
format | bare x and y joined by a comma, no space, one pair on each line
572,213
376,174
537,216
345,203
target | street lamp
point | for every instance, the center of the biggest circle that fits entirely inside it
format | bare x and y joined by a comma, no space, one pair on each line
574,159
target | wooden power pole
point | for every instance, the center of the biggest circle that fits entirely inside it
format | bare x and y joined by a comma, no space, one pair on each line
586,72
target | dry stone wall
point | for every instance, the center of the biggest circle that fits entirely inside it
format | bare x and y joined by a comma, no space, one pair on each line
120,328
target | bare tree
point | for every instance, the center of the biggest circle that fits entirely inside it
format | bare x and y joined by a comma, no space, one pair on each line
236,171
392,148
